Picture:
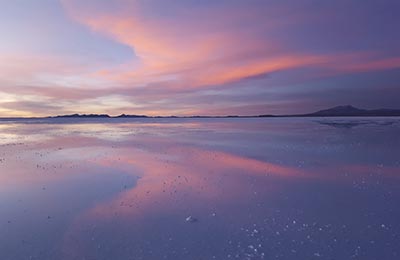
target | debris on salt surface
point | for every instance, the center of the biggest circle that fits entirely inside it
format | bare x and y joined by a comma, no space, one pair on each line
191,219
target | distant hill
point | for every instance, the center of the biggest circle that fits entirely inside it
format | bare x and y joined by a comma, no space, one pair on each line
82,116
131,116
340,111
344,111
97,116
353,111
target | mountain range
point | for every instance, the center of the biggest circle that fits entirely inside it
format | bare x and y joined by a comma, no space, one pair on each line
347,110
342,111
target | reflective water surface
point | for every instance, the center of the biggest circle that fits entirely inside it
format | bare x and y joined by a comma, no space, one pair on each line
272,188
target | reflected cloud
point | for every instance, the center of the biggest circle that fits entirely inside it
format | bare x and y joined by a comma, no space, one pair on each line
118,181
195,172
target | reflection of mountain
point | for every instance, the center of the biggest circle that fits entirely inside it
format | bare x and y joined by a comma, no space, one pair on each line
346,125
350,124
353,111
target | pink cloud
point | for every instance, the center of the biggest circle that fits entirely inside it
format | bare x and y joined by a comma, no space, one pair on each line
207,47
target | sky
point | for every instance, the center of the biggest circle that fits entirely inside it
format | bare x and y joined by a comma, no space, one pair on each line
197,57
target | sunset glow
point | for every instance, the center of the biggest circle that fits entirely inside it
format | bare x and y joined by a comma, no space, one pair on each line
196,58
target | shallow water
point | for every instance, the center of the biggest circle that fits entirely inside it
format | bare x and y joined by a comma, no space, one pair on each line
271,188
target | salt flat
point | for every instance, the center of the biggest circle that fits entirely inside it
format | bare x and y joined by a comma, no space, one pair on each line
250,188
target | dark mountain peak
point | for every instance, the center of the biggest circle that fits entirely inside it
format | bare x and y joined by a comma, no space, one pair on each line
345,107
346,110
349,110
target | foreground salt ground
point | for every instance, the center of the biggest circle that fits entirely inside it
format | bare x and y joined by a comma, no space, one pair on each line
200,189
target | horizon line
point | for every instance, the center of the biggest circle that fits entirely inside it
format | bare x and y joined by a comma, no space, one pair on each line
319,113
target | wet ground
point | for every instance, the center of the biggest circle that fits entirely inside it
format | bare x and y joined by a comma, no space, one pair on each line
268,188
